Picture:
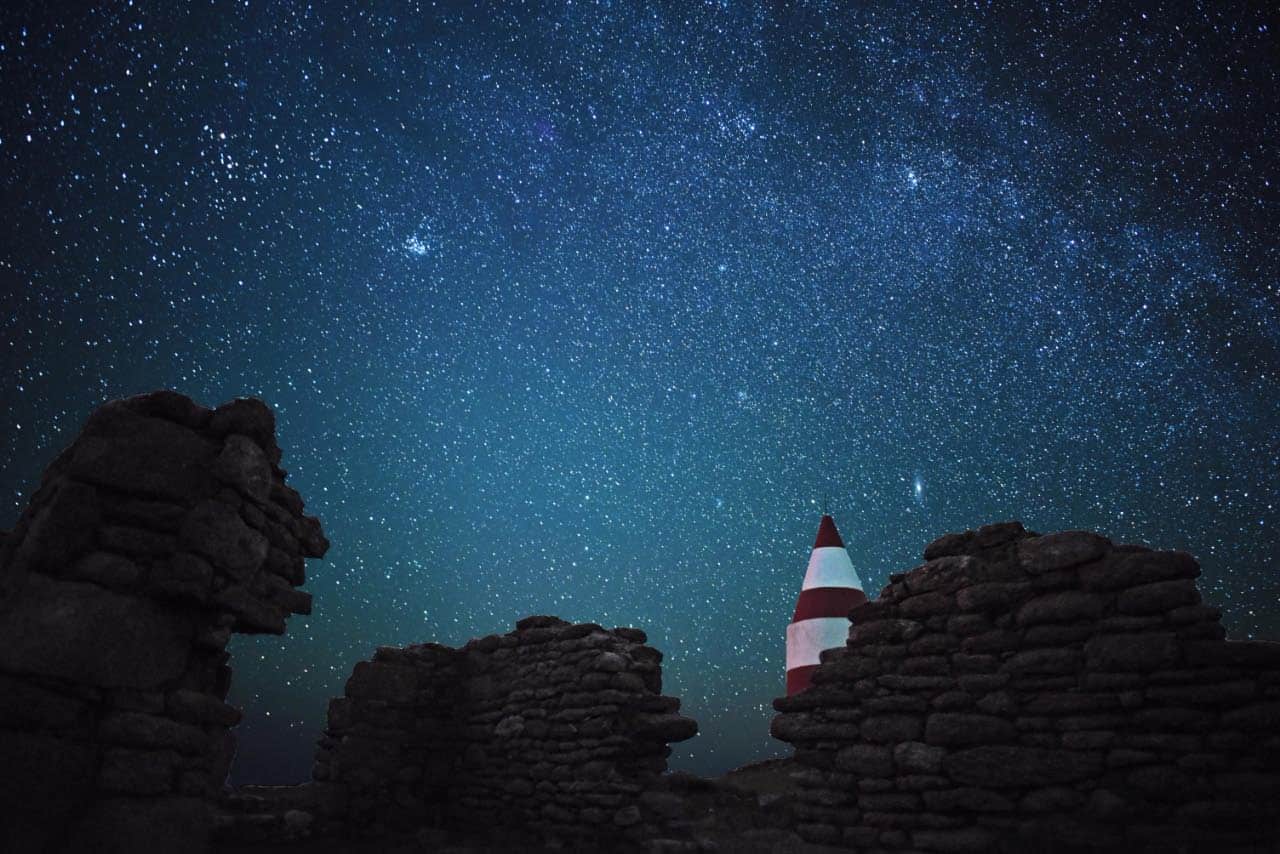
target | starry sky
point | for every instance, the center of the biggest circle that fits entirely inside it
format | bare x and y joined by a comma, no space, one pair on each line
583,308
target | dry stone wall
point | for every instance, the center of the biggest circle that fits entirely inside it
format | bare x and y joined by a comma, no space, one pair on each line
1049,693
162,529
550,732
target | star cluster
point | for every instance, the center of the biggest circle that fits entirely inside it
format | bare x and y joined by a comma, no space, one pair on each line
584,308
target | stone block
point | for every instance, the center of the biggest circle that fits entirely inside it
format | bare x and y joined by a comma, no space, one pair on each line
127,771
168,825
378,681
1158,597
63,528
45,783
249,417
86,634
952,729
926,605
866,760
216,532
949,544
1122,570
1046,661
1260,654
1062,550
243,465
148,457
1011,765
967,799
1255,717
884,631
881,729
1143,652
136,729
1064,606
992,596
965,840
944,574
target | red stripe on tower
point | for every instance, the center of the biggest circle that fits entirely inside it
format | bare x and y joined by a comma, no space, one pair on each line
821,620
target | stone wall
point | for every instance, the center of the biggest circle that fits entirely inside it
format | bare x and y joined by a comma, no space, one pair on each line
550,732
161,530
1050,693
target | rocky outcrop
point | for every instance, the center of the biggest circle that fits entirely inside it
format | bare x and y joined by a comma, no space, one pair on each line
1052,693
552,732
162,529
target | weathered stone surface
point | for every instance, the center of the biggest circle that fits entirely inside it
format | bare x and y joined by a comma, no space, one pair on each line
944,574
1062,607
948,544
926,604
883,631
243,465
952,729
252,615
1011,765
881,729
1059,705
149,457
866,760
1133,652
135,729
1254,717
992,596
1043,661
967,840
111,642
167,824
1158,596
998,533
914,757
183,576
249,417
216,532
45,785
106,569
63,529
198,707
127,771
1263,654
967,799
1132,569
1062,550
86,634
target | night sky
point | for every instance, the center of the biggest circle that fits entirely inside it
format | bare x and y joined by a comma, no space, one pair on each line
583,308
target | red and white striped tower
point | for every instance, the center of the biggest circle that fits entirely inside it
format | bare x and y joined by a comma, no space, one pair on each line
821,621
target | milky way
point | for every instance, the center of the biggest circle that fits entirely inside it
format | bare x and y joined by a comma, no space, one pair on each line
583,309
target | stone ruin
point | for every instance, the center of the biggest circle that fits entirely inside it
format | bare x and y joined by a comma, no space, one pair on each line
550,732
1040,693
1014,693
161,530
165,527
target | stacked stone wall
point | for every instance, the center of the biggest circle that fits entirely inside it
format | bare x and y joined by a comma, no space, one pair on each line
1051,693
162,529
552,732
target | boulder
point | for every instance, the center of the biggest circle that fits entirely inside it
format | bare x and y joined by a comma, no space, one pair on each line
88,635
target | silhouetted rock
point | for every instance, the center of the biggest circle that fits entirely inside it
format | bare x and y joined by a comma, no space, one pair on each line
145,545
1070,695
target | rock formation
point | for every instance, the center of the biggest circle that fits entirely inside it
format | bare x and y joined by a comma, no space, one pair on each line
164,528
552,732
1049,693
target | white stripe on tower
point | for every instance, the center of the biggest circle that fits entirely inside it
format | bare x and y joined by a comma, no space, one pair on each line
808,638
821,620
829,566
